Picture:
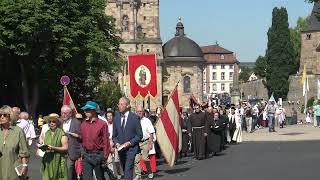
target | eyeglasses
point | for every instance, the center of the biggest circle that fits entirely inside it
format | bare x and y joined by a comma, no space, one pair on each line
55,122
5,115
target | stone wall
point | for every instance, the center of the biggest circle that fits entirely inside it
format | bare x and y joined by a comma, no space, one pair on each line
257,89
253,89
295,88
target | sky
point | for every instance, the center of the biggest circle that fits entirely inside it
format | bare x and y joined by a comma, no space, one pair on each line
238,25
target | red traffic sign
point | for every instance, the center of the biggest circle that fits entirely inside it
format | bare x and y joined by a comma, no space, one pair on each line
65,80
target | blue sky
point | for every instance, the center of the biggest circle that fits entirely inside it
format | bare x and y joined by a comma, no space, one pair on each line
238,25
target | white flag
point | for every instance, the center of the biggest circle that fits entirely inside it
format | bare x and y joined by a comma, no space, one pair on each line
305,86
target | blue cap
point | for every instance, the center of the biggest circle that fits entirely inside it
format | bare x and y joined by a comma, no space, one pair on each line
92,106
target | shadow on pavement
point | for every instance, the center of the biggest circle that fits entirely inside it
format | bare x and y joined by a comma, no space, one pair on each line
179,162
176,171
292,134
219,154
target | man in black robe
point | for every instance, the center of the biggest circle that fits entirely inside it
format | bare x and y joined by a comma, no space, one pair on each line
223,118
209,118
185,135
215,133
197,128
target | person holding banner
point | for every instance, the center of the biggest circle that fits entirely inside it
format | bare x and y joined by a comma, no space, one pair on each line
146,144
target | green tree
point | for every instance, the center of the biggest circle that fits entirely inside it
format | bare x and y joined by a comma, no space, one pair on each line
295,34
108,94
46,39
311,1
245,74
279,54
260,66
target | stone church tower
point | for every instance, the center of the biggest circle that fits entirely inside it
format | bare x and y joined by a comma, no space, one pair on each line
310,44
310,57
138,22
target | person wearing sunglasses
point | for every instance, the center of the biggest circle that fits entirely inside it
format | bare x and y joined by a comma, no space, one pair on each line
13,147
54,161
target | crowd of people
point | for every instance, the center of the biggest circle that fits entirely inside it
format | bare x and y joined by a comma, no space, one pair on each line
121,144
109,145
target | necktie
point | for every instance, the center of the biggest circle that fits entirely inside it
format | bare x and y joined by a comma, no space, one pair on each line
123,121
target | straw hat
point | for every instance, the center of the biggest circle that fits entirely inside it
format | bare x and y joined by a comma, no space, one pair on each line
53,116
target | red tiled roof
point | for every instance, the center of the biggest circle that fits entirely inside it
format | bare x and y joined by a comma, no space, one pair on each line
216,59
215,49
213,53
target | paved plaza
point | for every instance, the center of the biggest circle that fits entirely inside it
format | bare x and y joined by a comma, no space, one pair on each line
302,132
290,153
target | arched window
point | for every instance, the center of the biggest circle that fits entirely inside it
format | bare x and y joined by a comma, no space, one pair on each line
125,23
186,84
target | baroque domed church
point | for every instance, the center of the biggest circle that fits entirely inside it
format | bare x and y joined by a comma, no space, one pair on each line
183,63
180,60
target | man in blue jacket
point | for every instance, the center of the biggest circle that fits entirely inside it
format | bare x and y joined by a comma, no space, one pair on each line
127,134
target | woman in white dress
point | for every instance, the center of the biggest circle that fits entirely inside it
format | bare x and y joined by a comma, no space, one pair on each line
237,136
281,116
309,116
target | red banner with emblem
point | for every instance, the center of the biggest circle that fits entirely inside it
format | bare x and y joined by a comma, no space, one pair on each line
143,74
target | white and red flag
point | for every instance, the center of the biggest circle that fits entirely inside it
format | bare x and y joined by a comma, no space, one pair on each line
67,100
143,74
168,127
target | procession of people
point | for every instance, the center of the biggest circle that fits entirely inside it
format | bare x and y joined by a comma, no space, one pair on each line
120,143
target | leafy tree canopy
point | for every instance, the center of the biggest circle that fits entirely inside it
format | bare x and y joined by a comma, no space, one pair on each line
279,55
245,74
108,94
260,66
45,39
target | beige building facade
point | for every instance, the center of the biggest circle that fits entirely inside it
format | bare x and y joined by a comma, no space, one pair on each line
218,73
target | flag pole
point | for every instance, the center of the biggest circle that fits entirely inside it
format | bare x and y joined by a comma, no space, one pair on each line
306,95
171,92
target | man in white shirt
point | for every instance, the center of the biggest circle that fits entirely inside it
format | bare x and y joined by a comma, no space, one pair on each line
255,115
146,144
27,127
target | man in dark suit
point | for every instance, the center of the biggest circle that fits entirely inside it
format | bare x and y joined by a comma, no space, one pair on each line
71,127
127,134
